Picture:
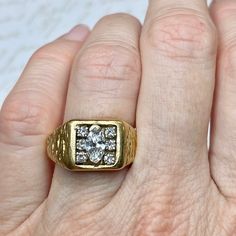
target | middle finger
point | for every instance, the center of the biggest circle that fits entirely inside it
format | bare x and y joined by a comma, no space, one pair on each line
178,48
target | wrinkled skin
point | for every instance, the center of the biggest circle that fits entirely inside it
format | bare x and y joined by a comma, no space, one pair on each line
168,78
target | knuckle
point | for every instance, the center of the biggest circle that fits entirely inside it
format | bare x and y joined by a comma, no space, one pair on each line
120,17
23,117
223,10
58,52
182,35
229,59
109,61
108,67
223,13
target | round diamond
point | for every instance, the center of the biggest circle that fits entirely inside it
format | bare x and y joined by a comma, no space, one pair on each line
110,132
82,130
95,155
81,157
81,144
109,158
111,145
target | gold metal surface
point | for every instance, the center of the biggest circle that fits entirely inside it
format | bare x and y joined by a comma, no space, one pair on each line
61,145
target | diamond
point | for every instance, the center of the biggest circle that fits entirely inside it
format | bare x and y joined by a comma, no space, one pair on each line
81,144
110,132
82,130
110,158
96,134
81,157
95,155
111,145
95,143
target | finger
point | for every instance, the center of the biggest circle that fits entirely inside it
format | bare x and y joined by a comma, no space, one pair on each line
104,85
178,48
223,137
33,108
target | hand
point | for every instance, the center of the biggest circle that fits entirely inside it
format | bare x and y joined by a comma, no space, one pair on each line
175,185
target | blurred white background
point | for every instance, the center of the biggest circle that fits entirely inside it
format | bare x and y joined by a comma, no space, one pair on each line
26,25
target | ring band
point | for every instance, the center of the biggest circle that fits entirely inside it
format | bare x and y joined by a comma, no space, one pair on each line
92,145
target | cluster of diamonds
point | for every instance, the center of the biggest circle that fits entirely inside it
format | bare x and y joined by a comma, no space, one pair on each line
95,144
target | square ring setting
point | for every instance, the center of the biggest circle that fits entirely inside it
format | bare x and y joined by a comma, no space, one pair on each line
92,145
98,144
95,144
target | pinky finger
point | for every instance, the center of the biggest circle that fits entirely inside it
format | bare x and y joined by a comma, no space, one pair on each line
34,107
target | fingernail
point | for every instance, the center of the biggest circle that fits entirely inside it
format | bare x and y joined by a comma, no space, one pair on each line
78,33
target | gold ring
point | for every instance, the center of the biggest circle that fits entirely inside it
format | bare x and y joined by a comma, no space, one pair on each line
93,145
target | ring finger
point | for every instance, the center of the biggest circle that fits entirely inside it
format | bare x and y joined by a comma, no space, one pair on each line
104,84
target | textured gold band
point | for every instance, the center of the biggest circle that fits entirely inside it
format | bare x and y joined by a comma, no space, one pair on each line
92,145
